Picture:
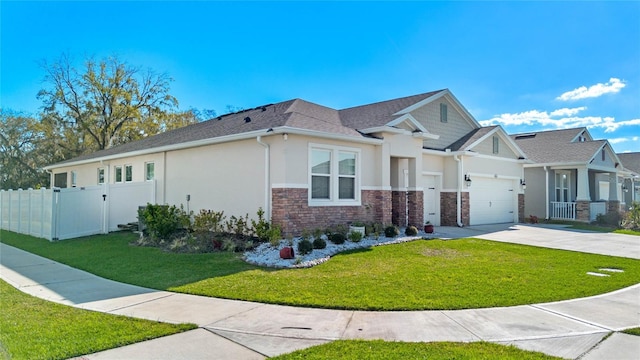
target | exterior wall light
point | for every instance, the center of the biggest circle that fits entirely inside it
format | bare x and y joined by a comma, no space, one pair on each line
523,184
467,179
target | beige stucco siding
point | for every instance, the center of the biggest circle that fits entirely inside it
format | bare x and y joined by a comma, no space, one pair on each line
290,159
493,167
455,127
228,176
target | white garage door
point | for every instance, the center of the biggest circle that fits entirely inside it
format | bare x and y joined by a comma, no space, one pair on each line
430,199
492,201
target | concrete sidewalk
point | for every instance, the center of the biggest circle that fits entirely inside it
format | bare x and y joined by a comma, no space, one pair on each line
238,329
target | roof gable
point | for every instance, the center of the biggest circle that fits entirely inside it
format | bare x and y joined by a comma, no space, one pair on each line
630,161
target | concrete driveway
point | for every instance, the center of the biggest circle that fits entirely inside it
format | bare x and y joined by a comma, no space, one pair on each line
238,329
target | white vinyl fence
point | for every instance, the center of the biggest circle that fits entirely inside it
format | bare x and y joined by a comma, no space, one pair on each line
59,214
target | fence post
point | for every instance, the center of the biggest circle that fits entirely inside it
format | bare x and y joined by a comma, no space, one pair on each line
106,208
55,214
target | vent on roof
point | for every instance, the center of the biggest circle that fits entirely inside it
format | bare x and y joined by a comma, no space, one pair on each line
264,108
525,136
247,119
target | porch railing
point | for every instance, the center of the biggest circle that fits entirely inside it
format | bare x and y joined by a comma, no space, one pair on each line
563,210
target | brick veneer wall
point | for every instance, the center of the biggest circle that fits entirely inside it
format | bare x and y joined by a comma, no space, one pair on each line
613,206
291,210
448,209
399,208
415,202
583,210
521,214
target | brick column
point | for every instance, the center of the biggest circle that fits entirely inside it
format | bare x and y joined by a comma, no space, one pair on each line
583,210
415,202
613,206
399,208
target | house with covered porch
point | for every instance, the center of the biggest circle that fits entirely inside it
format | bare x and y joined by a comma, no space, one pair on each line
571,176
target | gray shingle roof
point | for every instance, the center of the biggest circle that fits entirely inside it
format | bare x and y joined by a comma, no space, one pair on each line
470,138
555,146
295,113
630,161
380,113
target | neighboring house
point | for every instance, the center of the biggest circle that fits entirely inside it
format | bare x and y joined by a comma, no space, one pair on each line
631,184
572,176
403,161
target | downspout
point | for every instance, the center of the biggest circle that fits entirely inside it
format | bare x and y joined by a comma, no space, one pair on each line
267,172
546,193
458,192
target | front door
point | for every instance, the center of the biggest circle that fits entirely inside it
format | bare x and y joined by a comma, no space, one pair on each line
430,200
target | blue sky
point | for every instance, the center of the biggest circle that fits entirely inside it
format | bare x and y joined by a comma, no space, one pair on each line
527,66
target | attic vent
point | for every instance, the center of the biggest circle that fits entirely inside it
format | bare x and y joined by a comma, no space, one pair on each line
526,136
264,108
247,119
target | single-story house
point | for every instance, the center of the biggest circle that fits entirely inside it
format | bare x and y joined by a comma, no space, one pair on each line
402,161
631,182
571,176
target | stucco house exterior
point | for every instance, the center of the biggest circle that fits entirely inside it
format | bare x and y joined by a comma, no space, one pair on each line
631,182
571,176
403,161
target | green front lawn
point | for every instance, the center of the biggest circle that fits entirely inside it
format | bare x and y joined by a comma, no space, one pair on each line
436,274
377,349
31,328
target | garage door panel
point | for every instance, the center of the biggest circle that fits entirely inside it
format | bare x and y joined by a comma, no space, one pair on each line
491,201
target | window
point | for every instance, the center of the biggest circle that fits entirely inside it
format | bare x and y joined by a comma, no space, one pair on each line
443,112
118,174
128,173
149,169
60,180
100,176
496,145
603,155
74,178
562,187
334,176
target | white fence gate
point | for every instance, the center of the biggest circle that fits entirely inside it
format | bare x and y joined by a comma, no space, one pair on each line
59,214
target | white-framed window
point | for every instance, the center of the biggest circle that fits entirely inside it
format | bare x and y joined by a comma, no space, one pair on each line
563,191
149,171
496,145
100,176
74,178
128,173
334,175
443,112
117,173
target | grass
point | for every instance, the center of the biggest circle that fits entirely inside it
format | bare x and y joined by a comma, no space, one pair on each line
633,331
378,349
419,275
37,329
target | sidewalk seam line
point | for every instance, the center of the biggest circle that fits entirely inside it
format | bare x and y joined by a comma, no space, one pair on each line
566,316
462,326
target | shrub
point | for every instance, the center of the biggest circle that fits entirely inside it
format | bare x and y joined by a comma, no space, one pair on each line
533,219
355,236
238,225
304,247
317,233
274,235
261,227
162,220
207,220
319,243
631,220
611,219
411,231
391,231
337,238
342,229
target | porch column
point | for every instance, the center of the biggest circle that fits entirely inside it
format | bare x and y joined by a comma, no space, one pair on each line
415,194
583,198
583,185
614,202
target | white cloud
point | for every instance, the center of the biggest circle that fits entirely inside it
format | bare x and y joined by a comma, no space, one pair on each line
613,86
560,119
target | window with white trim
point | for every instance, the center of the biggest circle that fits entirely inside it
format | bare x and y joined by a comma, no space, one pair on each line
149,171
443,112
128,173
74,178
117,171
100,176
496,145
334,176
